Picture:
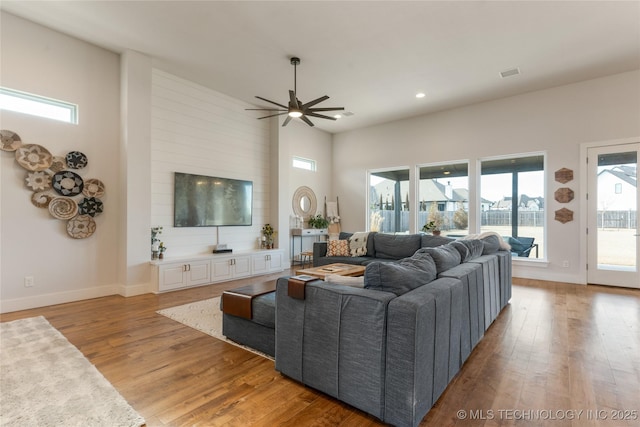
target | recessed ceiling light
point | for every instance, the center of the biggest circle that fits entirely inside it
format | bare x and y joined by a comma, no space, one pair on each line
337,116
420,95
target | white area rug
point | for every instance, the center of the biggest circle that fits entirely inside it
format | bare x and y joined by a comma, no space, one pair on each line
206,317
46,381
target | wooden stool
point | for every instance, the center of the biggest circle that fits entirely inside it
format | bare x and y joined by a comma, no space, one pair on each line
306,257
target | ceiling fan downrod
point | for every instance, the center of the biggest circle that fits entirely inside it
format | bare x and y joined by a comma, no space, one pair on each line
295,61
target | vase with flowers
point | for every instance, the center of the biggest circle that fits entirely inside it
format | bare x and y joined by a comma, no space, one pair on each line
267,236
155,241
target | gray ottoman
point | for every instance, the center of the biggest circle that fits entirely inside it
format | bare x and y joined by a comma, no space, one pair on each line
259,332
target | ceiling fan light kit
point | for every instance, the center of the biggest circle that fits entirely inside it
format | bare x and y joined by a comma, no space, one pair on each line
296,109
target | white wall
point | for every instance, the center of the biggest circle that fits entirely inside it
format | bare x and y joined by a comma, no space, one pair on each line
200,131
33,243
555,121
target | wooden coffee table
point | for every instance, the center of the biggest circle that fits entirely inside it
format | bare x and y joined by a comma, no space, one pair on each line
339,269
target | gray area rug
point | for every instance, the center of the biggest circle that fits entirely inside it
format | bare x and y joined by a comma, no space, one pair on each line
206,317
46,381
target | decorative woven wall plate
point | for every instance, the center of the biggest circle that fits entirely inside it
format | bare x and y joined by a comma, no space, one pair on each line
81,227
93,188
38,181
41,199
33,157
9,140
63,208
67,183
59,164
90,206
76,160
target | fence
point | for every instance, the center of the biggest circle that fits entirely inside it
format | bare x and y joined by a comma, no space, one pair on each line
606,219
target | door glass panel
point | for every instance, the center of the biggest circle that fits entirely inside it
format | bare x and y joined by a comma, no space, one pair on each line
389,203
617,219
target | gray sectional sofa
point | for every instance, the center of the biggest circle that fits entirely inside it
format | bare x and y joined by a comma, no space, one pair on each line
380,247
390,349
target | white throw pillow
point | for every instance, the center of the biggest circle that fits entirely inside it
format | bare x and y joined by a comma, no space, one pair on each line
356,282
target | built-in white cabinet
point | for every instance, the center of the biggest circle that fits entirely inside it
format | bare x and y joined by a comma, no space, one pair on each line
182,275
230,267
267,262
171,274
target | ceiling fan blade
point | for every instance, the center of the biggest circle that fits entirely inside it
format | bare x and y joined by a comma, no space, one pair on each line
315,101
326,109
322,116
307,121
272,115
271,102
286,121
262,109
293,101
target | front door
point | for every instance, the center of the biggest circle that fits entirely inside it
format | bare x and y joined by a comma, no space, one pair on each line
612,206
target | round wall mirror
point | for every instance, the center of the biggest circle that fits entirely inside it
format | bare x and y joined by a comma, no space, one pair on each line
304,202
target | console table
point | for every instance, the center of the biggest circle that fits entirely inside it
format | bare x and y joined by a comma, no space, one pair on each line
301,233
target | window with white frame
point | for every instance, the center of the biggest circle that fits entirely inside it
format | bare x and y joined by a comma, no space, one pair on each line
302,163
443,198
36,105
512,197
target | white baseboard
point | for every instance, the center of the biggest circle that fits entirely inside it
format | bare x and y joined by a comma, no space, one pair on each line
44,300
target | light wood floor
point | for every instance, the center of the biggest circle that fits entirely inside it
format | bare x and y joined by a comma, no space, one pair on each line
556,349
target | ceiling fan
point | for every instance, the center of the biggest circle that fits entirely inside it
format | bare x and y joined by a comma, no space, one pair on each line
295,108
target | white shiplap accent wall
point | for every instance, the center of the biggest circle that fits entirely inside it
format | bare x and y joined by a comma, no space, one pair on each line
197,130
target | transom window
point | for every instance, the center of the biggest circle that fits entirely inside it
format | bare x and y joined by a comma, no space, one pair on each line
36,105
302,163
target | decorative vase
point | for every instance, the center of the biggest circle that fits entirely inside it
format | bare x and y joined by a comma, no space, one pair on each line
436,232
154,254
161,255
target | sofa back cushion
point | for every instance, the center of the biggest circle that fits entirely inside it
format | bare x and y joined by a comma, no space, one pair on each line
475,246
445,257
395,246
429,241
465,254
402,276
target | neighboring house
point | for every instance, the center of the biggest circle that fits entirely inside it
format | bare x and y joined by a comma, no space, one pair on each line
617,189
525,203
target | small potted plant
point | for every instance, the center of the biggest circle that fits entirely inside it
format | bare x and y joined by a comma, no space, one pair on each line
161,250
318,221
431,227
267,236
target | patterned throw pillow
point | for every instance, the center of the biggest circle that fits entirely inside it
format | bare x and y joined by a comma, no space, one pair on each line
338,248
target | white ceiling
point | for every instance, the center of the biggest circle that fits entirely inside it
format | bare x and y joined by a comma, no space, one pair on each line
371,57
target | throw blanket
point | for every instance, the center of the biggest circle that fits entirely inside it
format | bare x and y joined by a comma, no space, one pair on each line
358,243
503,245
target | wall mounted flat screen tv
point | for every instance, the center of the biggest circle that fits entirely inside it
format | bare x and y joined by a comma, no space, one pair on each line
206,201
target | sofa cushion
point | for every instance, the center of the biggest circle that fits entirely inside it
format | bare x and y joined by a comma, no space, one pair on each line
429,241
356,282
445,257
358,244
475,246
465,254
402,276
396,246
370,241
338,248
491,244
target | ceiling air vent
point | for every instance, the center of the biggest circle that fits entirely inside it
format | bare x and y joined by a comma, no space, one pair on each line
509,73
